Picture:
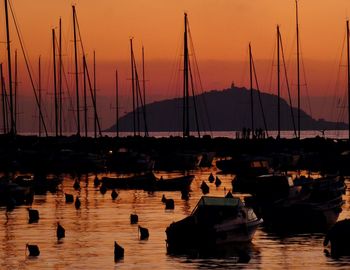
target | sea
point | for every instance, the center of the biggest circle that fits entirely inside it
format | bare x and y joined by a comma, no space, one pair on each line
92,230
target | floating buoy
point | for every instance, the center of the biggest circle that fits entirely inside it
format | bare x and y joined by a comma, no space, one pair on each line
96,181
169,204
211,178
134,219
60,232
76,185
114,194
204,187
185,194
77,203
103,189
33,215
144,234
163,199
229,195
33,250
69,198
118,251
217,181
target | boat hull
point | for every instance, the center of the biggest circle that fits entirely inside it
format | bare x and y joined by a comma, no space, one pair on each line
149,182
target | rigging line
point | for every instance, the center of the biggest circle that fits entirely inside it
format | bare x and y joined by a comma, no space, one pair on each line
206,111
138,90
259,96
137,85
88,77
47,112
271,71
194,99
94,103
334,104
68,93
287,84
6,102
306,85
304,76
28,68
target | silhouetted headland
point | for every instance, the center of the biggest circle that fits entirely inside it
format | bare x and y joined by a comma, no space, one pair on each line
222,110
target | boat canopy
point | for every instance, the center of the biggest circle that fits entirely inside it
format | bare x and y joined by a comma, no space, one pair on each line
218,202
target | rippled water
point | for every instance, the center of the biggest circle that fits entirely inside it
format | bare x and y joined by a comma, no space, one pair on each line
92,230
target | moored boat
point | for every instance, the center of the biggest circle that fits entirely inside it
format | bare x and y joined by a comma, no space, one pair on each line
148,181
214,221
311,205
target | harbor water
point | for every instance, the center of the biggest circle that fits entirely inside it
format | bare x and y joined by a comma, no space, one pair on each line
92,230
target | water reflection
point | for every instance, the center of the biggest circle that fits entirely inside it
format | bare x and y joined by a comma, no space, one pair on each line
92,230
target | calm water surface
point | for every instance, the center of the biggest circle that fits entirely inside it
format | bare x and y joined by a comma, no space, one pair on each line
92,230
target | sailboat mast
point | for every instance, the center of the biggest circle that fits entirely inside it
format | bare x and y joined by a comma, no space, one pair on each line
76,71
133,86
13,125
348,64
251,88
85,103
16,88
55,80
39,90
144,90
95,98
278,85
298,65
116,104
186,131
60,75
3,99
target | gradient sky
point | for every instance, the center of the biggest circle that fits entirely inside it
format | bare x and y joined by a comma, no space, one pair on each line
221,31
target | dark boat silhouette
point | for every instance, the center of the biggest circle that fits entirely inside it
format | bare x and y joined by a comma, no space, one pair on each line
306,205
214,221
148,181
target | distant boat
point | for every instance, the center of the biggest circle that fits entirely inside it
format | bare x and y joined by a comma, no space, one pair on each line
125,160
214,221
172,161
148,181
303,205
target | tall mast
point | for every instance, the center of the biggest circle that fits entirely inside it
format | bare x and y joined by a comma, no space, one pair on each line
186,120
251,88
16,88
116,104
85,103
348,64
39,90
95,98
3,99
76,70
298,68
133,86
55,80
13,124
278,85
144,90
60,75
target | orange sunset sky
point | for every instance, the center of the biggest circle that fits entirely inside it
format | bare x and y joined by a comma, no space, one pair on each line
221,31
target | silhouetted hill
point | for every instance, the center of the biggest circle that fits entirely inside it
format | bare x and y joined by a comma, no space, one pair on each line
226,110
